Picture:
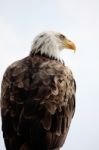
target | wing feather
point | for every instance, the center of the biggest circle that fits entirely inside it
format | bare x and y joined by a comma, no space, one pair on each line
38,103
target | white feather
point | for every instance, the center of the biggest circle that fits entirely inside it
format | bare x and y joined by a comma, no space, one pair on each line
47,43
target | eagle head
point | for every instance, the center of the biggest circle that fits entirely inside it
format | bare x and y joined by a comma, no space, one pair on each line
50,44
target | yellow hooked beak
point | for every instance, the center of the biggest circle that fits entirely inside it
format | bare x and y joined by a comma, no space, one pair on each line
69,44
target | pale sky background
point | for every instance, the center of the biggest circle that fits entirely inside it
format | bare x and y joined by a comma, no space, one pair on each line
21,20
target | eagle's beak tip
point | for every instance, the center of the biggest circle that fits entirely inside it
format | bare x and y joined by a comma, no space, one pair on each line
72,46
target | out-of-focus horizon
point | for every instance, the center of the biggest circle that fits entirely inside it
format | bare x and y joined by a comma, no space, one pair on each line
21,20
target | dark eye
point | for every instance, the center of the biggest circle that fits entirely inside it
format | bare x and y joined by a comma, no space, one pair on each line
41,35
61,36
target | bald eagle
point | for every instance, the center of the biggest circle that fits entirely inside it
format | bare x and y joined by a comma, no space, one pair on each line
38,96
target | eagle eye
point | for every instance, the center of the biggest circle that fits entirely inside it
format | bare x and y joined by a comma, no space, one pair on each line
62,37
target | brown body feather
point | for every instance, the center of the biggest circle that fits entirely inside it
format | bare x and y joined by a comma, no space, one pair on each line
38,103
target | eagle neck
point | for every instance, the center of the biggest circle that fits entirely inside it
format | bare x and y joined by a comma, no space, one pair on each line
45,56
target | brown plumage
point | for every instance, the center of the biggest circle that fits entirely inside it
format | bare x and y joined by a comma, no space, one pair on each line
38,103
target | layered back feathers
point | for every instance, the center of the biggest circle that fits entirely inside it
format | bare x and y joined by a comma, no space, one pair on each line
38,103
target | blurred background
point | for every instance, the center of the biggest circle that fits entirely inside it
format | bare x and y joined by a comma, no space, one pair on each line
21,20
